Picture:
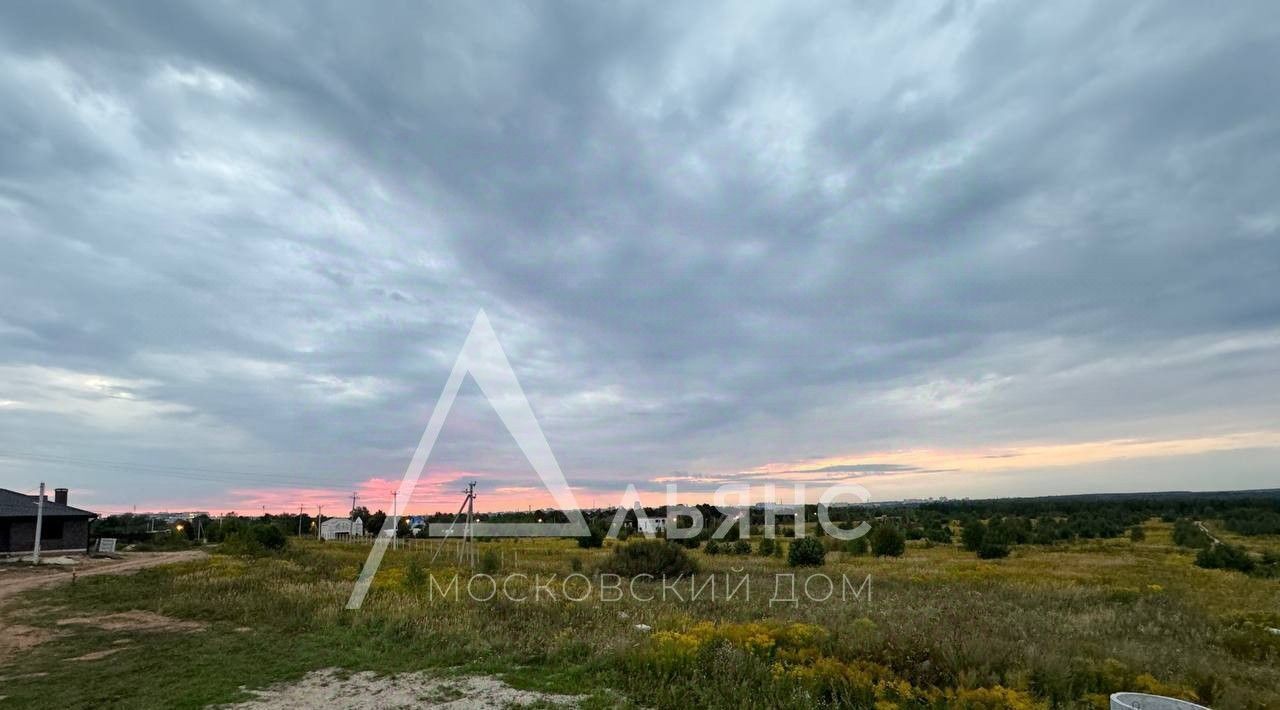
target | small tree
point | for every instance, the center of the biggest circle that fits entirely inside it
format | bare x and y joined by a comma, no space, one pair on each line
887,541
806,552
270,537
593,538
975,531
713,547
766,547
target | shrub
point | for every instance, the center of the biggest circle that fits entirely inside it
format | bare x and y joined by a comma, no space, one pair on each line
1187,534
253,541
1137,534
766,547
856,546
741,547
164,543
414,576
594,538
241,544
975,531
887,541
654,557
1224,556
713,547
940,533
490,562
992,551
806,552
270,537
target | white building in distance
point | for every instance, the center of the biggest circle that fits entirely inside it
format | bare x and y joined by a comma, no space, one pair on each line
341,529
650,526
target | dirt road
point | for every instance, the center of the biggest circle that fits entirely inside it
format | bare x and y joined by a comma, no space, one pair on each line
1205,530
14,579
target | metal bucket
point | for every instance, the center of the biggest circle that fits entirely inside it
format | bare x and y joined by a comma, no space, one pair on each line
1142,701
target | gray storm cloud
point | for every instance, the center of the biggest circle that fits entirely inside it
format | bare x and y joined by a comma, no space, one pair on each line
252,237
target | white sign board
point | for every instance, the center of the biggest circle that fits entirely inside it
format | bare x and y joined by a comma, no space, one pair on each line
107,544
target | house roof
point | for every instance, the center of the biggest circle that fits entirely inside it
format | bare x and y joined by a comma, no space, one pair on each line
21,505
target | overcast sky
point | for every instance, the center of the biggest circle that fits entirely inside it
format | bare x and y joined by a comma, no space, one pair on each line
961,249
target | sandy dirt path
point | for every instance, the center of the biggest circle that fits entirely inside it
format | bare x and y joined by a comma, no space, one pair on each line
370,691
14,579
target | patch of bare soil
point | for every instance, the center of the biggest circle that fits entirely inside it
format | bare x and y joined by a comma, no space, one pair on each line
135,621
366,691
22,578
18,638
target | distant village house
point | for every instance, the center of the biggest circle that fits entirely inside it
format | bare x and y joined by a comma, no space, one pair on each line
341,529
62,528
650,526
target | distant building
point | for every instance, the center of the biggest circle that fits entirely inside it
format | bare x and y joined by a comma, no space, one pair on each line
650,526
341,529
169,518
63,528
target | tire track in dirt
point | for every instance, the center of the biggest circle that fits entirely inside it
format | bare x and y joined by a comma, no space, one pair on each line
14,582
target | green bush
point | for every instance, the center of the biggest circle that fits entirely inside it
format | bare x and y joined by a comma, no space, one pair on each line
1224,556
594,538
713,547
270,537
887,541
490,562
255,540
1137,534
741,547
973,534
654,557
992,551
415,577
806,552
1187,534
766,547
857,546
165,543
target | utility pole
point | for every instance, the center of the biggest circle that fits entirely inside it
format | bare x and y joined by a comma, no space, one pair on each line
299,520
353,504
319,520
395,521
468,505
469,541
35,554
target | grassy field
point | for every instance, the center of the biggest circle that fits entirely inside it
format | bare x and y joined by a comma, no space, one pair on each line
1049,626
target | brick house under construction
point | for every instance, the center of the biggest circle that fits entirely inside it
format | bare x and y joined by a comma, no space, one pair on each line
63,528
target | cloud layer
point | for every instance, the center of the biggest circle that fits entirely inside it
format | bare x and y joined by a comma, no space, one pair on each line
720,239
